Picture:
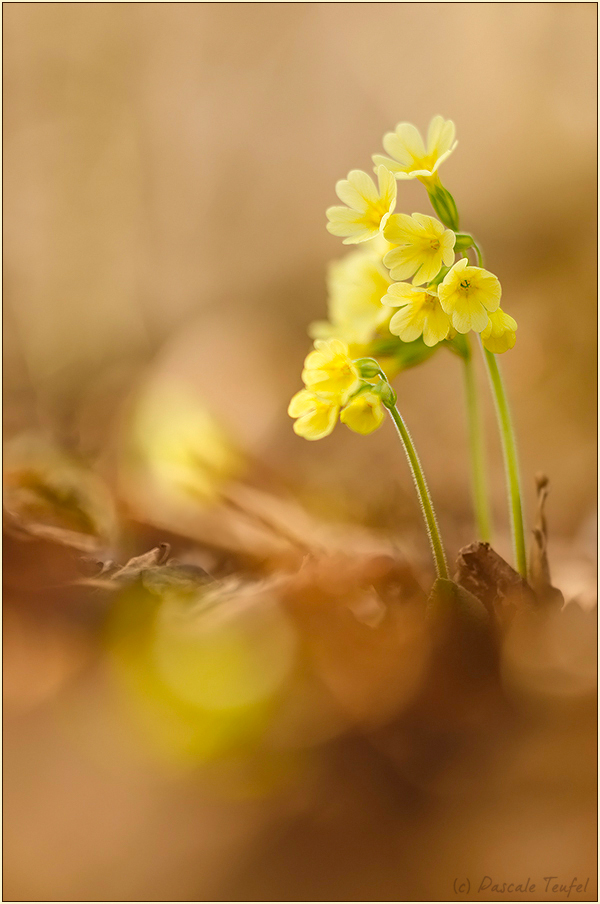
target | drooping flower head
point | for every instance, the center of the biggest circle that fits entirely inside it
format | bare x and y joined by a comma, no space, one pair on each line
499,335
420,314
368,207
364,413
410,158
424,245
329,369
467,294
316,413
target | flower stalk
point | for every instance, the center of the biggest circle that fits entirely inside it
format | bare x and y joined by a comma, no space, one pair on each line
477,449
509,450
388,398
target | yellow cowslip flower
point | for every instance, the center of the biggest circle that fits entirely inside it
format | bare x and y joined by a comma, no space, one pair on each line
467,294
356,284
316,413
420,314
329,369
368,208
499,334
410,159
364,413
424,245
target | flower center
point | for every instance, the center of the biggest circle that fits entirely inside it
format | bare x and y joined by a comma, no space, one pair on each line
465,284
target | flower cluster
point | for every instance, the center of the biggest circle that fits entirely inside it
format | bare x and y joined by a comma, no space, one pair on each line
403,262
419,247
334,387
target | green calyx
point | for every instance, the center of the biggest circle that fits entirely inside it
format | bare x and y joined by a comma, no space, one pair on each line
368,368
444,205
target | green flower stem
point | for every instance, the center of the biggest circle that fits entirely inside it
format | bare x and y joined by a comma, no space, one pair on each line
477,450
510,461
422,490
479,254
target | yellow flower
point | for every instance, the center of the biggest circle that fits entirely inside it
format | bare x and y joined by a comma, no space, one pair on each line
499,334
368,208
410,159
467,294
329,369
364,413
424,246
356,285
420,314
316,413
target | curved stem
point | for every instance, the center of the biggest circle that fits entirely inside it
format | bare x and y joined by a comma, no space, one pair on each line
423,492
477,450
478,253
509,450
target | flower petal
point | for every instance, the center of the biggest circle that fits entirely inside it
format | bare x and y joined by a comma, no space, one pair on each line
401,293
437,326
358,191
408,323
469,314
440,136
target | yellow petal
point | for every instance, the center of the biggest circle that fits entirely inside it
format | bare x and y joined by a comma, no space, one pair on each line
300,403
469,314
351,224
357,191
401,294
440,136
499,335
437,326
364,413
408,323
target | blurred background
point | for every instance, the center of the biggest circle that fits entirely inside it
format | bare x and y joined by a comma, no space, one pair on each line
166,173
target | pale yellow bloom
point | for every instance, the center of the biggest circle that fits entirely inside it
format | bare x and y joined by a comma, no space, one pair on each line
368,207
420,314
329,369
316,413
364,413
467,294
410,158
424,245
356,285
499,334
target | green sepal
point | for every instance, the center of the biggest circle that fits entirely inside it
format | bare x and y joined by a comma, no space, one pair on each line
444,205
463,241
440,276
368,367
386,394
